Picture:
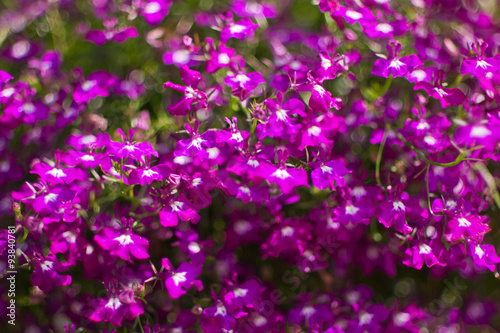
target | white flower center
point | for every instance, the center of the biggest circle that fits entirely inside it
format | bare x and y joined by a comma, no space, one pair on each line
47,265
244,189
196,181
149,173
152,8
28,108
223,58
358,191
483,64
395,63
196,143
479,251
181,56
237,28
307,311
463,222
51,197
58,173
401,318
113,303
424,249
287,231
441,92
179,277
124,239
398,205
353,14
176,206
194,247
240,292
430,140
221,310
87,85
281,114
314,130
351,210
365,318
281,174
480,132
253,163
384,27
326,169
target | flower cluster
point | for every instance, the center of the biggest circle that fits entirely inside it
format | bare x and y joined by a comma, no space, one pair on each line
183,166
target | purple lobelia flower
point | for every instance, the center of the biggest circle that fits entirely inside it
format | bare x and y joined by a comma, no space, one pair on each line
447,96
154,11
129,149
96,84
111,33
234,137
46,272
196,145
483,255
328,174
430,252
466,227
55,173
221,317
479,66
254,9
353,212
280,122
123,243
243,83
245,27
394,65
394,211
222,57
192,97
179,280
175,209
147,174
288,178
117,306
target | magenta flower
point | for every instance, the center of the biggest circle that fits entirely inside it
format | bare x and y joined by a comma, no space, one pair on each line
288,178
483,255
154,11
242,83
192,96
130,149
430,253
96,84
447,96
112,32
46,273
124,243
395,210
479,66
178,208
245,27
180,280
198,144
328,174
114,308
395,66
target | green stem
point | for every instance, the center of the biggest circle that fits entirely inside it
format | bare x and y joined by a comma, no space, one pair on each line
379,158
427,189
490,180
457,161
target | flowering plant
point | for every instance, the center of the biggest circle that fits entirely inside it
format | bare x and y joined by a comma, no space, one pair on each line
249,166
